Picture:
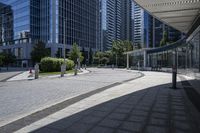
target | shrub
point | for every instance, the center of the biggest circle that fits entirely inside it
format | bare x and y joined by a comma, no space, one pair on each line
49,64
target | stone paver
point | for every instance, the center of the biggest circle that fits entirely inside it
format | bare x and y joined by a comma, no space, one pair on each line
152,108
21,98
6,75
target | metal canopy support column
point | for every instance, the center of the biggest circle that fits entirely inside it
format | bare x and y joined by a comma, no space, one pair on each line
145,59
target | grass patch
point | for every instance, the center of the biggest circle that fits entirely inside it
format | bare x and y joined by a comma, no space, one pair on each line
55,73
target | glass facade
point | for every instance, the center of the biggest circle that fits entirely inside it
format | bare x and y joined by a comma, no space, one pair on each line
193,52
15,20
142,28
81,21
54,22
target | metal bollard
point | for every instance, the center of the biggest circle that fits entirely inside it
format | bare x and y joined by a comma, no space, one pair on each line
36,71
63,70
75,70
174,77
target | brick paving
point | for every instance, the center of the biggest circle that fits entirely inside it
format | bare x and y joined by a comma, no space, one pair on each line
145,105
22,98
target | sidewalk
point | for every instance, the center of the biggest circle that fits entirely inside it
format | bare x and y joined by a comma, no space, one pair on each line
145,105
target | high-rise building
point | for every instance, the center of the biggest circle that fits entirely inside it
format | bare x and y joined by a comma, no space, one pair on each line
148,31
116,21
126,20
142,28
55,22
111,22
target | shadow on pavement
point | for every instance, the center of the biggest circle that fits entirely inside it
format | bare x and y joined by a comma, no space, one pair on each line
158,109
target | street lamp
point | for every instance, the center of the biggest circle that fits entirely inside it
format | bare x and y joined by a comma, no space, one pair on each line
63,66
64,40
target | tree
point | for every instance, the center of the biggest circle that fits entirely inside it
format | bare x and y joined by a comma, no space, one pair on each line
128,46
104,60
39,51
84,55
75,53
164,40
1,59
118,49
8,58
97,57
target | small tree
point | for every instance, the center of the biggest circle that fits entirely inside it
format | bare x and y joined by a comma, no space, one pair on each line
104,60
164,39
1,59
39,51
84,55
75,53
8,58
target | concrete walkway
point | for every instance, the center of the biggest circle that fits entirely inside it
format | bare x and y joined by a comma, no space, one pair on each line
144,105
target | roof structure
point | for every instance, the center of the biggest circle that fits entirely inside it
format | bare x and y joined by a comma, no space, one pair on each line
180,14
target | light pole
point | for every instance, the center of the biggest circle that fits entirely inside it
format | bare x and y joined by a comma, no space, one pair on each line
64,41
63,66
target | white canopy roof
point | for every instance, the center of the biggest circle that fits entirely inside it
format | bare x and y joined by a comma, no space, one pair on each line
180,14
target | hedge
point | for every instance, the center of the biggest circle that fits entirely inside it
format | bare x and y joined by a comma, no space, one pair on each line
49,64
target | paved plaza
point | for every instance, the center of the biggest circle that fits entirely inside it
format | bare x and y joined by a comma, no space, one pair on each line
146,104
6,75
21,98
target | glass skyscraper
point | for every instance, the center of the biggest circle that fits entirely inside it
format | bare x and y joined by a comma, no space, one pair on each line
148,31
24,22
116,21
142,27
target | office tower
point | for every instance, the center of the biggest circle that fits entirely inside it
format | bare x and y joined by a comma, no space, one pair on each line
126,20
142,28
148,31
55,22
116,21
113,22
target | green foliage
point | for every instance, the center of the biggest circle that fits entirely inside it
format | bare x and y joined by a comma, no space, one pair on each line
1,59
75,53
49,64
39,51
84,55
164,39
109,57
119,47
97,57
7,58
104,60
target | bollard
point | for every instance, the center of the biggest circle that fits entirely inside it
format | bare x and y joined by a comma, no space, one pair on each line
85,67
30,71
36,71
174,78
75,70
174,70
63,70
112,66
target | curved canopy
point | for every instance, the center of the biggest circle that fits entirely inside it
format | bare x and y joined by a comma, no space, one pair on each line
180,14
